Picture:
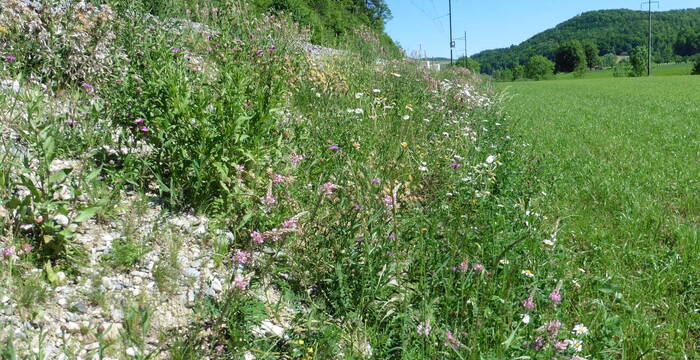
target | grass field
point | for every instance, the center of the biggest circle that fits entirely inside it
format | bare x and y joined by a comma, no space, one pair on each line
621,164
659,70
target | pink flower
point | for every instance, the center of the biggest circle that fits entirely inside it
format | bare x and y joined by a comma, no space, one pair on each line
10,58
139,121
241,257
239,167
451,340
273,48
423,329
175,50
376,181
464,266
257,237
277,178
268,200
8,251
538,344
27,248
328,188
529,303
392,236
290,224
144,129
260,53
560,345
479,268
274,234
240,282
388,200
39,219
295,159
334,148
455,165
71,122
553,327
86,86
555,296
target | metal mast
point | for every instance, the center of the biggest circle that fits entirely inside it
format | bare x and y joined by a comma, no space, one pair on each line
452,43
650,42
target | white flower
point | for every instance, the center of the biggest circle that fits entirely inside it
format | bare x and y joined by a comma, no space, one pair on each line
376,91
359,111
525,318
406,117
359,95
423,168
397,75
61,219
576,344
548,242
504,261
528,273
491,159
580,329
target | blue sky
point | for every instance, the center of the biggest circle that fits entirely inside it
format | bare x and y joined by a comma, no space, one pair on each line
490,24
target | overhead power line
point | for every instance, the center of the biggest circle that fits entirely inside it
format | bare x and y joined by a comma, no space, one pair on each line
650,3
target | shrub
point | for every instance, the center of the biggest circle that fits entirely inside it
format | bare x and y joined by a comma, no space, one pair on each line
696,66
539,68
639,60
622,68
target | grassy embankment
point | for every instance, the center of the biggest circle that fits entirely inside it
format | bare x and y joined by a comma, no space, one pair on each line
620,160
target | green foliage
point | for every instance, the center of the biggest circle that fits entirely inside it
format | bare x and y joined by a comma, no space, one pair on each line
519,72
125,253
639,60
613,31
503,75
622,68
608,60
592,54
539,68
696,66
687,42
469,63
571,57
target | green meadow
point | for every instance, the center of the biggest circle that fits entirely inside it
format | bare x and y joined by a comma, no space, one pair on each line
659,70
619,161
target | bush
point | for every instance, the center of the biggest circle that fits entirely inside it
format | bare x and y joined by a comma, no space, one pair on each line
622,68
696,67
639,60
539,68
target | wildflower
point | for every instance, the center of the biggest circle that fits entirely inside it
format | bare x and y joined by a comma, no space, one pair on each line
10,58
175,50
580,329
525,318
553,327
392,236
219,348
561,345
406,117
396,75
529,303
87,86
358,207
241,257
334,148
139,121
576,344
360,240
310,350
504,261
388,200
61,219
455,165
359,95
389,253
8,251
555,296
277,178
144,129
27,248
268,200
273,48
576,357
260,53
464,266
356,146
274,234
71,122
240,282
548,242
528,273
239,167
478,268
257,237
451,340
376,91
295,159
359,111
423,168
423,328
490,159
328,188
538,344
290,224
404,144
376,180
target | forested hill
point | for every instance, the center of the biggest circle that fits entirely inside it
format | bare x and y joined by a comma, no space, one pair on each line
615,31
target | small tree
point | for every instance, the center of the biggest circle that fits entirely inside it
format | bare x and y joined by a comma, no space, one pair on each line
503,75
608,60
622,69
570,56
639,61
518,72
469,63
539,67
592,54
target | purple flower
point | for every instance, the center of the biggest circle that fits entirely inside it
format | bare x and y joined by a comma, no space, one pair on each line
451,340
553,327
175,50
529,303
555,296
376,181
290,224
241,257
389,253
144,129
8,251
10,58
139,121
268,200
277,178
257,237
464,266
240,282
358,207
455,165
27,248
87,86
479,268
260,53
360,240
388,200
71,122
392,236
273,48
334,148
538,344
296,159
328,188
560,345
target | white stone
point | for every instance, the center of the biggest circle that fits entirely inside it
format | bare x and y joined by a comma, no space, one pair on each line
131,351
73,327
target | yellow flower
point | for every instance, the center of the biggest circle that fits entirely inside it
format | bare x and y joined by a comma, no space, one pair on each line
356,146
310,350
424,230
404,144
3,30
300,342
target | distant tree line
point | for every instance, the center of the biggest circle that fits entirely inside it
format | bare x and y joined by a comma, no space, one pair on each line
616,32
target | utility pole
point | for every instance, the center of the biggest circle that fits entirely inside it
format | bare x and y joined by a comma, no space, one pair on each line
650,2
452,43
465,46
